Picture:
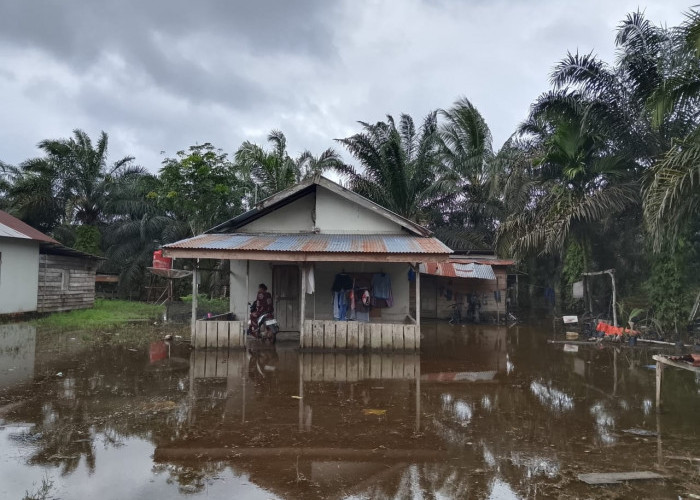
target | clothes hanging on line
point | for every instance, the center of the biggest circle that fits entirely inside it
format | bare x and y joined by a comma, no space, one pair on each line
381,285
310,280
340,305
342,281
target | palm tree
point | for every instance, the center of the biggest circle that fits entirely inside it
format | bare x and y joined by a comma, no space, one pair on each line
271,171
72,183
400,166
309,165
471,217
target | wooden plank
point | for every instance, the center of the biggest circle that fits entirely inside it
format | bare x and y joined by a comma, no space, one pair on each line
329,367
387,333
329,334
353,335
409,337
409,366
200,335
375,335
397,337
367,335
617,477
212,334
318,334
222,341
341,335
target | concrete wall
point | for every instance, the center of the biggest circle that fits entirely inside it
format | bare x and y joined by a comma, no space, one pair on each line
436,306
338,215
293,218
19,275
320,304
260,272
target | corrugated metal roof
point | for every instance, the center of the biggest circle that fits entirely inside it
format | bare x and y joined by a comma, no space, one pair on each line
12,227
315,243
455,270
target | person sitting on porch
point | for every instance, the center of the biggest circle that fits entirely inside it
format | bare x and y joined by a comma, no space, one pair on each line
262,305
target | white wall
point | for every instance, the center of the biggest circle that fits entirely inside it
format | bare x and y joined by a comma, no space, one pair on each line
260,272
337,215
322,301
293,218
19,275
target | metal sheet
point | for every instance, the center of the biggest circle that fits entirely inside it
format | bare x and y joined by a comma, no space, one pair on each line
454,270
316,243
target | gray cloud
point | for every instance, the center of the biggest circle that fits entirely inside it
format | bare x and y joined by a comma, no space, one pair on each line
160,75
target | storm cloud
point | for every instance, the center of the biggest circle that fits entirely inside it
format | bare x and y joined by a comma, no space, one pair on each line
161,75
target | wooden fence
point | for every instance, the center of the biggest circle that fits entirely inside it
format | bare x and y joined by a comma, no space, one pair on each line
318,335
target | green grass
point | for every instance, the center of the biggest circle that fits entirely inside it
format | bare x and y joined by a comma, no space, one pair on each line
105,314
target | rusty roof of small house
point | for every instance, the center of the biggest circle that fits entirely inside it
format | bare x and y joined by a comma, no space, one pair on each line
315,243
12,227
457,270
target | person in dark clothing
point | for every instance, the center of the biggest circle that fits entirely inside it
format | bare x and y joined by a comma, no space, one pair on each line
262,305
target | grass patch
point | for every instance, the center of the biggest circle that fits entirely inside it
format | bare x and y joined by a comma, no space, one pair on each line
211,305
105,314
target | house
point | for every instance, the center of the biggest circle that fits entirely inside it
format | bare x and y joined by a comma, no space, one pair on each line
320,247
38,274
478,285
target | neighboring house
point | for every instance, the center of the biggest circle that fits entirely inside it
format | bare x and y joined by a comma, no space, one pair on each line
320,237
476,285
38,274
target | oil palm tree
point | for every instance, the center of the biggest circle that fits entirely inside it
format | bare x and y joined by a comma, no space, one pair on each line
399,166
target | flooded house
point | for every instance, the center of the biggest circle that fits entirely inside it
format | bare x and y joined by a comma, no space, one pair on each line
38,274
343,271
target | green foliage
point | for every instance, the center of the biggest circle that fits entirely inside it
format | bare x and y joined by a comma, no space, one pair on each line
219,305
88,239
105,314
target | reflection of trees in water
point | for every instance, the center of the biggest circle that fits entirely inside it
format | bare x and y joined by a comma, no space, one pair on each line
107,397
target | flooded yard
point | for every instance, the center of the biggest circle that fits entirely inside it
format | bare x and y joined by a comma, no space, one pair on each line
482,412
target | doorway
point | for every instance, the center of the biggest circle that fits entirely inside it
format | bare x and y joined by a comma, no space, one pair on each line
286,290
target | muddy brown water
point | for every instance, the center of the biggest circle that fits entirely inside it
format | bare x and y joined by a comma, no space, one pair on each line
481,412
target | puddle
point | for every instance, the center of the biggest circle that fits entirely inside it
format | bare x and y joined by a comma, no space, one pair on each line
482,412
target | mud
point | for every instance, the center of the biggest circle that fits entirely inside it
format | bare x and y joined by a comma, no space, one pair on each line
481,412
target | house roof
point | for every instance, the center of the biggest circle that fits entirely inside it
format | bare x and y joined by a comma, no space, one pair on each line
459,270
12,227
308,186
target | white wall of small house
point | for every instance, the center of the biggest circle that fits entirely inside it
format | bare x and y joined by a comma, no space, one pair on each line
19,275
335,214
293,218
320,304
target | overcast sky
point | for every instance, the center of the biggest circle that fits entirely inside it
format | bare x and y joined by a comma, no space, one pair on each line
160,75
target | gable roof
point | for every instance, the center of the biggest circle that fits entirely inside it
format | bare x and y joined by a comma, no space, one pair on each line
12,227
306,187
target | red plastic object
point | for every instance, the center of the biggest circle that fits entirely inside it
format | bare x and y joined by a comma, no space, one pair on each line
160,262
158,350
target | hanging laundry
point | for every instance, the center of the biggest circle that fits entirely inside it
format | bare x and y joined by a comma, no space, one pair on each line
310,280
381,286
340,305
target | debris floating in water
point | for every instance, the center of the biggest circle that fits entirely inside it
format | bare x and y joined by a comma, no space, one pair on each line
373,411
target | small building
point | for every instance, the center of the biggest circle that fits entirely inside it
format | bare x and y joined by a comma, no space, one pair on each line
38,274
475,285
319,248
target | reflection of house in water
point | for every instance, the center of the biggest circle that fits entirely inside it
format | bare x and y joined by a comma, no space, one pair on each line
16,354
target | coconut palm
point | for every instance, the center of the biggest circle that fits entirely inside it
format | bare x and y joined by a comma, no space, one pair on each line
399,166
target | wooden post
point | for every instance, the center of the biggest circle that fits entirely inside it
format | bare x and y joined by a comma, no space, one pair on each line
194,297
614,304
302,307
417,298
659,374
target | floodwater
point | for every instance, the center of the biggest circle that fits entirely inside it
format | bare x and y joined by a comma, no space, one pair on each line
482,412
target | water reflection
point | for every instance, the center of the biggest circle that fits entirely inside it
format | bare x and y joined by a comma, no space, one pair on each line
457,421
17,343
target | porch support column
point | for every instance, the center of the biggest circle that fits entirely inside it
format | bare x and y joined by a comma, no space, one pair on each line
302,308
195,276
418,298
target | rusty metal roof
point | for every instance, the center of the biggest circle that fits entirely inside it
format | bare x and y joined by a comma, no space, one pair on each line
315,243
12,227
455,270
